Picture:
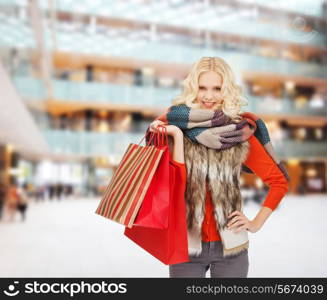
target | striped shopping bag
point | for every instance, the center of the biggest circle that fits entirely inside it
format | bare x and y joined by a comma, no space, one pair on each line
130,182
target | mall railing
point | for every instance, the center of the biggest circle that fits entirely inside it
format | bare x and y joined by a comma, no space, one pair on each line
206,21
285,106
103,144
20,36
301,149
33,89
90,143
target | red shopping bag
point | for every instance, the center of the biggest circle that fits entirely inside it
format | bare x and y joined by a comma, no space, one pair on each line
154,210
130,183
169,245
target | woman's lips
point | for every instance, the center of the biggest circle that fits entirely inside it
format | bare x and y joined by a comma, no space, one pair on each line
208,104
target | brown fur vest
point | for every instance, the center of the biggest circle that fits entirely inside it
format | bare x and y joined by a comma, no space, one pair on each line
221,169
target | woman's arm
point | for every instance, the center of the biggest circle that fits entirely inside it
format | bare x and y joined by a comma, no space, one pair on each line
263,166
178,148
261,218
176,133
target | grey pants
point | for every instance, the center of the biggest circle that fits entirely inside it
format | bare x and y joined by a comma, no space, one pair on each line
212,258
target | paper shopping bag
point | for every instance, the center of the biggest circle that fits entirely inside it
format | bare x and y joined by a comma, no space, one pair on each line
154,209
129,184
169,245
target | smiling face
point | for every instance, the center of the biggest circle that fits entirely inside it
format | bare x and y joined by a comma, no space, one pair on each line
209,95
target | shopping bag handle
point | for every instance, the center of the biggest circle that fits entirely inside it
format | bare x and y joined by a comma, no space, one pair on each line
158,137
162,136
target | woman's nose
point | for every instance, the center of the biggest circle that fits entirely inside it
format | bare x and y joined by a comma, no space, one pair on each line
208,95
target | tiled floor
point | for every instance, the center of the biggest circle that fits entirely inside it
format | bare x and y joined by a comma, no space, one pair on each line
67,239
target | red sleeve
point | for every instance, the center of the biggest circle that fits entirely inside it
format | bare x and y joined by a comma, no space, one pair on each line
260,162
181,169
163,117
178,164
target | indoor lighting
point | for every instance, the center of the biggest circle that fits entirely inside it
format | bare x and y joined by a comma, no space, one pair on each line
10,147
311,172
289,85
259,183
293,162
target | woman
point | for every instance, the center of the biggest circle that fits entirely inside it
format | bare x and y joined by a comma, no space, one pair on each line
2,197
214,140
22,201
12,201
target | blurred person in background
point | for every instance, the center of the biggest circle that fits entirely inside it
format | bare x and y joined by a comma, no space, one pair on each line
52,191
59,191
40,193
211,98
23,200
12,201
2,198
14,61
247,193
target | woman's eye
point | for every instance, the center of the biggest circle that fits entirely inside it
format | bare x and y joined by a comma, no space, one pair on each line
203,88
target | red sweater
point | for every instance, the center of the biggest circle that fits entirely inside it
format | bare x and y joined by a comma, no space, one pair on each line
259,161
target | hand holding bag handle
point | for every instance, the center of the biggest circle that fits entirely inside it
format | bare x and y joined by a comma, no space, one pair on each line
159,138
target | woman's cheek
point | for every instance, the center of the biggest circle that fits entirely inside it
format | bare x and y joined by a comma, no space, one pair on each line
218,96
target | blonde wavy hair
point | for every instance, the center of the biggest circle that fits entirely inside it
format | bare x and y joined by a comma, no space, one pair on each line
231,92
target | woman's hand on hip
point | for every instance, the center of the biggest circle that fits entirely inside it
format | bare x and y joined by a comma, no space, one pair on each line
240,222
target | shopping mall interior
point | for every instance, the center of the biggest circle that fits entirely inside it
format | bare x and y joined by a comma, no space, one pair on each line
81,80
